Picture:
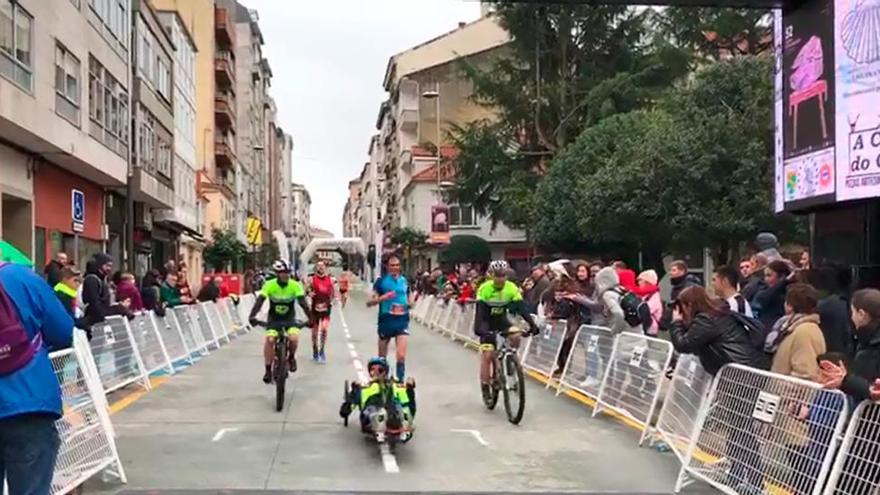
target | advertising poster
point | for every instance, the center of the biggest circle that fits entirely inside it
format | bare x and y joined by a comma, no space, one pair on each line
857,53
779,176
439,224
808,113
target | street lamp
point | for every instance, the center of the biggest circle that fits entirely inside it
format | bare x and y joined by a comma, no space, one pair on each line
434,94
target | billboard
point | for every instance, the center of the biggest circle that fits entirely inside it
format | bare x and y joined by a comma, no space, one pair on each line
827,78
439,224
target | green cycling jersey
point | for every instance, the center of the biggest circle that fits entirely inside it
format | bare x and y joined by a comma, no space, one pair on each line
282,298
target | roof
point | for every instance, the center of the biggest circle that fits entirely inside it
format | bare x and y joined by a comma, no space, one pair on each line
447,172
467,39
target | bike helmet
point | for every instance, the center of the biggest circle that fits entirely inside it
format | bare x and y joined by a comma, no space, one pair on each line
280,266
378,361
499,267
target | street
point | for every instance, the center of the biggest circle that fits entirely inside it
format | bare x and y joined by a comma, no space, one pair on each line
213,426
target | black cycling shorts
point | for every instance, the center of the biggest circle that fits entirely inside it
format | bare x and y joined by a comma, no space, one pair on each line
488,330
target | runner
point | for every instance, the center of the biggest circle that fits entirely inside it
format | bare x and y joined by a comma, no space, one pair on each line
321,290
344,283
391,293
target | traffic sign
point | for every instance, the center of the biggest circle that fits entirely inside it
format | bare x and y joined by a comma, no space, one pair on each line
78,209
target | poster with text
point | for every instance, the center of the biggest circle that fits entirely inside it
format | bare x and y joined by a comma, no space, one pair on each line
809,176
857,53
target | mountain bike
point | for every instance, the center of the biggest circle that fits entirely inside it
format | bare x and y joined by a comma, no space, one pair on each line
281,364
507,377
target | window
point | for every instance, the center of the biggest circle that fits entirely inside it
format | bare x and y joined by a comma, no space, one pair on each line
164,162
67,91
15,44
108,108
110,17
462,216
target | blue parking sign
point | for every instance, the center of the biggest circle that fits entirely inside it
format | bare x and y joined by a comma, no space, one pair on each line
78,206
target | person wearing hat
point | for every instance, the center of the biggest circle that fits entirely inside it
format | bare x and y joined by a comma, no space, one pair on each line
96,293
649,291
368,398
67,287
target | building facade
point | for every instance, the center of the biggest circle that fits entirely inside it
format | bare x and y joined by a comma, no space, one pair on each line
301,204
58,138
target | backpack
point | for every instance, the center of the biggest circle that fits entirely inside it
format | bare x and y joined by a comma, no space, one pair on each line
758,334
16,348
636,311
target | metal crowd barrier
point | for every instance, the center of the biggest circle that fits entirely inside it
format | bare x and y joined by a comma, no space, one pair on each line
631,385
175,344
761,432
464,328
116,355
686,393
443,322
856,470
542,351
220,330
149,344
87,446
585,367
199,315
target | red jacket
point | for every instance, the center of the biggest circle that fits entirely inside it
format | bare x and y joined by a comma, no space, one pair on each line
127,290
627,279
466,294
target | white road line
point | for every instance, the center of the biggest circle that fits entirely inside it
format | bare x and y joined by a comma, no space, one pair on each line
350,346
353,353
388,459
474,433
221,432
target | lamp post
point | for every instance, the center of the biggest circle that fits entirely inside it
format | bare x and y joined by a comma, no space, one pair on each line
434,94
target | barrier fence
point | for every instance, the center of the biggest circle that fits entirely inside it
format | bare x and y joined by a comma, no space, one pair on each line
121,353
743,431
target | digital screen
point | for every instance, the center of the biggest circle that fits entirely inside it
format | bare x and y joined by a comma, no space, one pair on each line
827,99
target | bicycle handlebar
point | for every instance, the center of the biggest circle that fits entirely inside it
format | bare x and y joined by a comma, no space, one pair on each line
278,325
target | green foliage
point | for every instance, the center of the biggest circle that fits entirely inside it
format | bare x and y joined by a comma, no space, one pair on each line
409,239
712,32
466,249
224,250
695,171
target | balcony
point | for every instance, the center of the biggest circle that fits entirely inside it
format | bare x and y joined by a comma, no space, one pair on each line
150,190
408,106
184,214
224,152
224,69
224,110
224,29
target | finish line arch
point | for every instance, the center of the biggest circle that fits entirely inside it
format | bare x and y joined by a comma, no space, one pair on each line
349,245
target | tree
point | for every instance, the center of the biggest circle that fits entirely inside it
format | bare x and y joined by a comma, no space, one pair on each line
410,241
466,249
713,32
224,250
569,66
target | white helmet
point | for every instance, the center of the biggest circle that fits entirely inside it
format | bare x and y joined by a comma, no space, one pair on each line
280,266
499,267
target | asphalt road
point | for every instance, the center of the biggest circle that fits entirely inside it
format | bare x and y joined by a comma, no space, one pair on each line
214,427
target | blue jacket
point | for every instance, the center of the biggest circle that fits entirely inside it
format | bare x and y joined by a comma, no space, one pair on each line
34,388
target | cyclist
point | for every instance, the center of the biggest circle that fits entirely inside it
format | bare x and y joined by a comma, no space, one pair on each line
321,290
344,285
281,292
368,399
497,297
391,293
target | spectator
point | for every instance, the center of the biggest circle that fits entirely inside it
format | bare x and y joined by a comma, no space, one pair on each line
96,295
704,326
594,269
627,277
150,295
804,261
66,290
34,322
209,292
186,296
754,281
769,302
768,245
724,282
126,289
224,286
168,292
797,340
679,279
52,271
746,267
650,292
860,381
468,288
834,310
170,266
608,290
540,284
572,295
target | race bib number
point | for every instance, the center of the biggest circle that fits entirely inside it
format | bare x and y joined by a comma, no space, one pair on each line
398,309
321,307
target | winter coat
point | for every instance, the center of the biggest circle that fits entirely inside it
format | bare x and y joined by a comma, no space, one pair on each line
169,295
678,285
96,293
865,366
802,342
655,304
209,292
34,389
716,341
53,272
836,325
769,303
150,297
627,279
534,296
127,290
608,289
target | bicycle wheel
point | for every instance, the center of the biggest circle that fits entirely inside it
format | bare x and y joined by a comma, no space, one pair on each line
492,399
280,374
513,384
346,390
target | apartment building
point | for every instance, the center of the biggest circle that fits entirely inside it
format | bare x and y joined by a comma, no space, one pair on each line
285,150
351,212
428,94
301,203
187,215
63,132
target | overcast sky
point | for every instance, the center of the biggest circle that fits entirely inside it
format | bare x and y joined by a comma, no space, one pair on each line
328,59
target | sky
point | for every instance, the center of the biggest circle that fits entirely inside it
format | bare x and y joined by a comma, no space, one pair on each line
328,59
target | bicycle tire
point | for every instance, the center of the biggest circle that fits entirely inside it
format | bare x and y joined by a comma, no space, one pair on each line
492,400
514,414
346,390
280,375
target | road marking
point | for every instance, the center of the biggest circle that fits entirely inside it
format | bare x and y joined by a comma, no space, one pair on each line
221,432
155,382
388,459
474,433
351,347
353,353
